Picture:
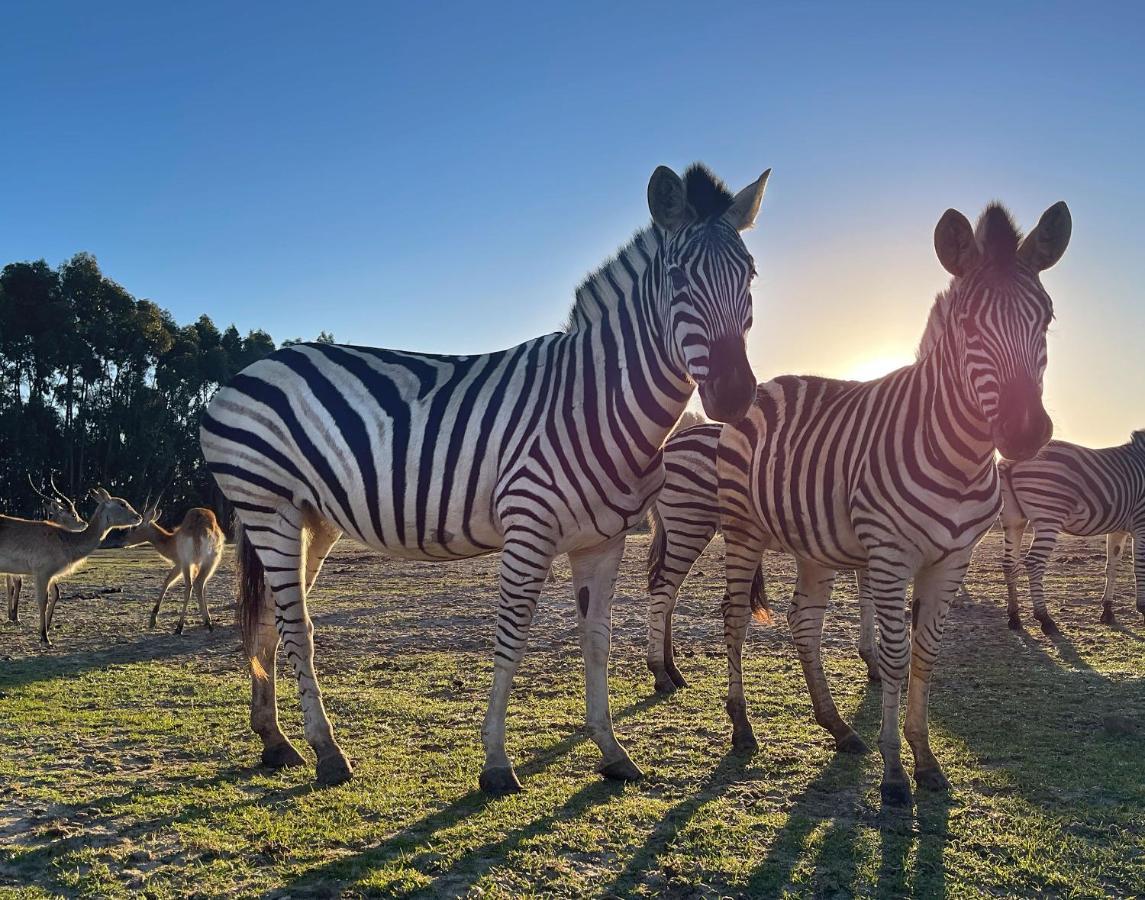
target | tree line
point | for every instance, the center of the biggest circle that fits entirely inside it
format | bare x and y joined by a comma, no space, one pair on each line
98,387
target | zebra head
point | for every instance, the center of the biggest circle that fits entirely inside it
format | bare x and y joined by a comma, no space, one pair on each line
706,276
1000,316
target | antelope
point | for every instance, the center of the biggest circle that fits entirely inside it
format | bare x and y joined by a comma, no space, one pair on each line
47,551
195,548
61,510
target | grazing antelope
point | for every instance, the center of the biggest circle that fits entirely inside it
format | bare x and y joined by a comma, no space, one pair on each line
195,548
61,510
46,551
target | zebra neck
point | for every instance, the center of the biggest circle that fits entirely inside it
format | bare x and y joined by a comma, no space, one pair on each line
956,434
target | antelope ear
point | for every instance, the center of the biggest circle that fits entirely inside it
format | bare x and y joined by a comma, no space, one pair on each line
100,494
667,199
1045,245
741,214
954,243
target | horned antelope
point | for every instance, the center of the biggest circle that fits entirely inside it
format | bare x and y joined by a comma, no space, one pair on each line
60,509
46,551
195,548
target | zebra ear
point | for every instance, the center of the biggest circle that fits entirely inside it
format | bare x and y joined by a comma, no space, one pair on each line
954,243
667,199
1045,245
741,214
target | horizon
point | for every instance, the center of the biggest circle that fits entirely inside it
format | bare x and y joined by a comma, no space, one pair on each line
407,166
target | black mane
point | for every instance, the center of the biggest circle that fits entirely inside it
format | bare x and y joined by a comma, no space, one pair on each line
708,197
997,234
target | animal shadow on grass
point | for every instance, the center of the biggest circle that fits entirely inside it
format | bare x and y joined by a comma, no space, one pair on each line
411,842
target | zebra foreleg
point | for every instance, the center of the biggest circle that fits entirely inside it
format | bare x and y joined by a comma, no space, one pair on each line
1045,537
741,560
1114,549
1011,558
868,645
666,573
525,563
888,581
594,580
934,591
1139,566
805,617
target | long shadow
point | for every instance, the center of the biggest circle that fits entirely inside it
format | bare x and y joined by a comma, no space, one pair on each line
341,872
820,802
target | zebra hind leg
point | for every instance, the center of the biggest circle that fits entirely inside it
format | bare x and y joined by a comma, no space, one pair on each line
594,580
1011,553
808,607
1114,549
525,564
672,556
1045,537
744,550
868,644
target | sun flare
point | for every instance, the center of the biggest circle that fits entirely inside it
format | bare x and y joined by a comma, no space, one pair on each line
872,367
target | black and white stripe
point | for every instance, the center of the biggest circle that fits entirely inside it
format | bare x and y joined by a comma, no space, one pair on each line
684,519
1080,491
549,447
895,475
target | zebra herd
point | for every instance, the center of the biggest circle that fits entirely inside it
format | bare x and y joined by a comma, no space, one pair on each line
563,444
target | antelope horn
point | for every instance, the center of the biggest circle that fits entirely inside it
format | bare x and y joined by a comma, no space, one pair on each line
61,494
39,493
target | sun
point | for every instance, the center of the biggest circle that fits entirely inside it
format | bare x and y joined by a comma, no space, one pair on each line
872,367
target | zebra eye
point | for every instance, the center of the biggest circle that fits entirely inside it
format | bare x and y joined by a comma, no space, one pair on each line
679,279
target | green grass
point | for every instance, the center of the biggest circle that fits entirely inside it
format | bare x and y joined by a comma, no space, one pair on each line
126,768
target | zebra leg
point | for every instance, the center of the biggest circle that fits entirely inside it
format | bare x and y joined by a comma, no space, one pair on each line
1139,565
188,587
742,557
524,568
1045,536
665,576
888,580
868,646
934,591
594,580
1114,549
171,578
277,751
805,616
1011,554
281,547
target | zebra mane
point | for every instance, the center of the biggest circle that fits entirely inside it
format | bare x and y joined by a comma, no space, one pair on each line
1137,439
998,238
708,198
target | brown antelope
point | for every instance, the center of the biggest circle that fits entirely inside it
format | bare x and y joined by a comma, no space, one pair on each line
47,551
59,509
195,548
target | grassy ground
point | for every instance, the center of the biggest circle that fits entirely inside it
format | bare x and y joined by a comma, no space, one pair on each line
126,764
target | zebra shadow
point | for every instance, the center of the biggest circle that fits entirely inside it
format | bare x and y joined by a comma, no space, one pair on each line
411,844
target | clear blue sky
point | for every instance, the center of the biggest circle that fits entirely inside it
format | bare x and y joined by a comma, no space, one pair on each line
441,178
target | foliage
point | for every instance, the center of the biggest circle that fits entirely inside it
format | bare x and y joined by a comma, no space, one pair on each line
99,387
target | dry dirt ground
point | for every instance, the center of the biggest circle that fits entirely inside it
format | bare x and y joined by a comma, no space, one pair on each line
126,767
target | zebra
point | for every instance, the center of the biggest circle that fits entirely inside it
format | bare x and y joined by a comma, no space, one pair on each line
1080,491
896,475
549,447
684,519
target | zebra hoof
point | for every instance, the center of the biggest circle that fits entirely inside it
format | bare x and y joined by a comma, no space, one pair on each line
896,793
282,756
852,743
499,782
622,769
665,685
334,769
873,675
1050,627
179,628
1107,617
677,678
744,742
1015,623
12,617
932,779
209,625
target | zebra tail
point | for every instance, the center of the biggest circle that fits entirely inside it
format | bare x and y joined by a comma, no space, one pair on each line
251,596
657,548
760,610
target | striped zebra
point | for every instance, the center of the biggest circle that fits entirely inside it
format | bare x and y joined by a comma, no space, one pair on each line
1080,491
684,519
550,447
896,475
